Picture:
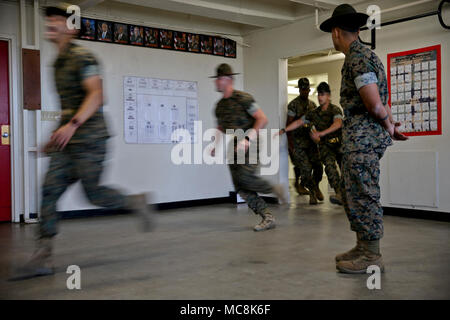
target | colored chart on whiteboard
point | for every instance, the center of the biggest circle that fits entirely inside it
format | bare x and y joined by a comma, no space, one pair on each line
414,83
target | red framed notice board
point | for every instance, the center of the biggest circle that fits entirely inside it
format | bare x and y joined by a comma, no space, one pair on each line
414,81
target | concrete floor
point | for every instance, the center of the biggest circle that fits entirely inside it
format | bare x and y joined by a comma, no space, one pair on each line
212,253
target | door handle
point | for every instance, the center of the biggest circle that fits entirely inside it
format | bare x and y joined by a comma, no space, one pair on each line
5,135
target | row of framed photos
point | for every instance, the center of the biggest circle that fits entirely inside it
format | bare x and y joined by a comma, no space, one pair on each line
121,33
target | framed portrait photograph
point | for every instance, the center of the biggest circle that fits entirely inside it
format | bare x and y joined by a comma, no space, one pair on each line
87,29
120,33
206,44
104,31
230,48
165,39
180,40
218,46
136,35
193,42
151,37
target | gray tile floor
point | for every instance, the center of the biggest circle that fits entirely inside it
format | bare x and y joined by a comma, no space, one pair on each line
211,252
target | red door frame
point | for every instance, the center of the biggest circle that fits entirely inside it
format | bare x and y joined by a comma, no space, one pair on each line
5,150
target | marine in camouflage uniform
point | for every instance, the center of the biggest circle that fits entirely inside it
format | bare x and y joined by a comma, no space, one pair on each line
234,112
366,133
82,158
304,152
365,142
327,122
77,148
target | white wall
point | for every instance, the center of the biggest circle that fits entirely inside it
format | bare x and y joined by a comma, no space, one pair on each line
145,167
148,167
261,63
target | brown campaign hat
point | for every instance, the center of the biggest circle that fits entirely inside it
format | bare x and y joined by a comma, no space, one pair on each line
345,17
303,83
58,10
224,70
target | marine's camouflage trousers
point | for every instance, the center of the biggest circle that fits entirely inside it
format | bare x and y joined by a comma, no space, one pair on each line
317,171
247,183
360,180
80,161
330,155
309,164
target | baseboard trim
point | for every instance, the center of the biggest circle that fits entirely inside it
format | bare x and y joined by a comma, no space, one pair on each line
75,214
193,203
391,211
417,214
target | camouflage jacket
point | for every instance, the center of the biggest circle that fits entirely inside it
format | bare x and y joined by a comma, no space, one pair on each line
297,108
236,111
360,131
73,65
324,119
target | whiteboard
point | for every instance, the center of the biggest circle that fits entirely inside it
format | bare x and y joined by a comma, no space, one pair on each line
415,180
154,108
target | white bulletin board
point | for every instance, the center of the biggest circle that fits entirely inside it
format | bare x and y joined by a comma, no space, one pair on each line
154,108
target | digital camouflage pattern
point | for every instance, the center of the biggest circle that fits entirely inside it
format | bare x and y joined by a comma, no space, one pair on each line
330,145
247,183
73,65
307,160
360,131
235,113
361,175
305,155
364,142
75,162
330,155
297,108
323,119
82,158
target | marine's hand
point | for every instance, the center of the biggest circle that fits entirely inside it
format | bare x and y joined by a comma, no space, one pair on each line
62,136
315,136
397,135
279,133
390,129
243,145
48,148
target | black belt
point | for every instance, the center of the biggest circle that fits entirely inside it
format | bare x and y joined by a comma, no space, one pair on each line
355,111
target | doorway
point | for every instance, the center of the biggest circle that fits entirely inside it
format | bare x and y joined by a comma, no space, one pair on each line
324,65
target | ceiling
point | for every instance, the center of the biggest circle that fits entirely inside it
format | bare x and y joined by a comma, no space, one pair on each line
422,6
248,16
316,57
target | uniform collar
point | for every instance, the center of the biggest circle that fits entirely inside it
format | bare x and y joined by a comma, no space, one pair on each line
354,45
66,50
233,94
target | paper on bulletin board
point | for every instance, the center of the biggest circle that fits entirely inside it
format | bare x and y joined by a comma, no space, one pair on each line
154,108
414,79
